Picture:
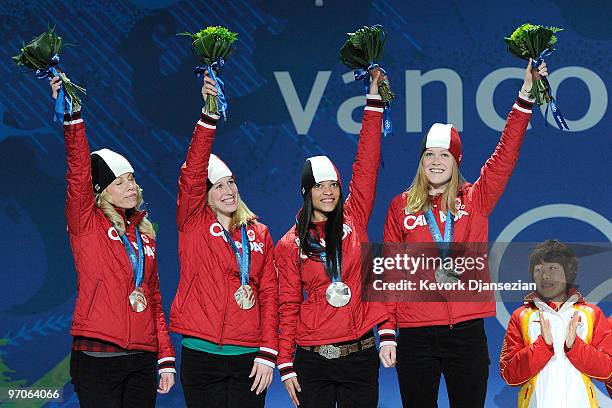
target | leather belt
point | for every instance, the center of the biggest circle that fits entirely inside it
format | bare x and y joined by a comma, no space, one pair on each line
331,351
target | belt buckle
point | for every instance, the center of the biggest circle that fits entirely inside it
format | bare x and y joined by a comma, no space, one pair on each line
329,351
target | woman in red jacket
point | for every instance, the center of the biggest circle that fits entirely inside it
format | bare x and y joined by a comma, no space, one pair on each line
335,361
120,340
226,304
448,336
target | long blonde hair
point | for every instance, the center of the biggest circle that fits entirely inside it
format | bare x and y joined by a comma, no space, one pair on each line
418,192
243,215
103,203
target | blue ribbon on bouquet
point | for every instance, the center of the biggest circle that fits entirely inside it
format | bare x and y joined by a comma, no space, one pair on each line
364,74
63,103
556,112
219,84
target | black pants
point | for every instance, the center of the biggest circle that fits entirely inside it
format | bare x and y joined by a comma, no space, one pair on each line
215,381
351,381
460,353
114,382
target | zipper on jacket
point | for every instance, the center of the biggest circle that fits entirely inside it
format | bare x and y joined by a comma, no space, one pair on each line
448,310
220,346
129,324
450,316
352,310
128,305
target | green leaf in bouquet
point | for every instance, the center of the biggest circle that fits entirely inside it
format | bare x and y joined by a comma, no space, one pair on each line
352,57
39,53
529,41
212,43
364,47
209,45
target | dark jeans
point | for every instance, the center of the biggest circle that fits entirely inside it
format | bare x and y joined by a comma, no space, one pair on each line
211,380
351,381
460,353
114,382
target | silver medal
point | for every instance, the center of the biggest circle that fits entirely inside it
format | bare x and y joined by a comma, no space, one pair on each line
138,301
446,275
338,294
244,297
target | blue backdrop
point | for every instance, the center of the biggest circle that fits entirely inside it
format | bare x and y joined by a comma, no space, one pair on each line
290,98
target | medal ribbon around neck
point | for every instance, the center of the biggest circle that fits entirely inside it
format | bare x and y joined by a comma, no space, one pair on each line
443,243
136,261
323,257
242,258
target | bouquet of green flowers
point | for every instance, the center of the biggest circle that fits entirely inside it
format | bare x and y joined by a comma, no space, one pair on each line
212,46
42,56
361,52
536,42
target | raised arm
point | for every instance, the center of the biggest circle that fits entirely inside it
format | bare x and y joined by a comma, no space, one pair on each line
362,188
497,170
80,195
194,172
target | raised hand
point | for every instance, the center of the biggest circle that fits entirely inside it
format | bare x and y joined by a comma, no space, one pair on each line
532,75
375,76
208,86
56,84
571,330
545,330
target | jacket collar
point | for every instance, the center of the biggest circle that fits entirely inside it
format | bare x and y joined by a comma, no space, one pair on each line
574,297
131,216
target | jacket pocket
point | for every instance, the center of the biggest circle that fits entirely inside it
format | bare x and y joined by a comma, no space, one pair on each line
309,313
93,298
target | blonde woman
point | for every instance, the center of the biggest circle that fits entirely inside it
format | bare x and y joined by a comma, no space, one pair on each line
226,304
440,337
120,339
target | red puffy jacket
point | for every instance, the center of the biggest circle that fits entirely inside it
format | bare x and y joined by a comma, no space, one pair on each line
475,204
204,305
104,275
313,321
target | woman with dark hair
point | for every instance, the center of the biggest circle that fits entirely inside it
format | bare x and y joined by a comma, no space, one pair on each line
226,303
319,263
120,339
439,209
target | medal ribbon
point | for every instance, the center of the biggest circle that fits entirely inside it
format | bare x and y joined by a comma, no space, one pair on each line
63,103
323,257
364,75
137,262
443,243
219,84
243,259
556,112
